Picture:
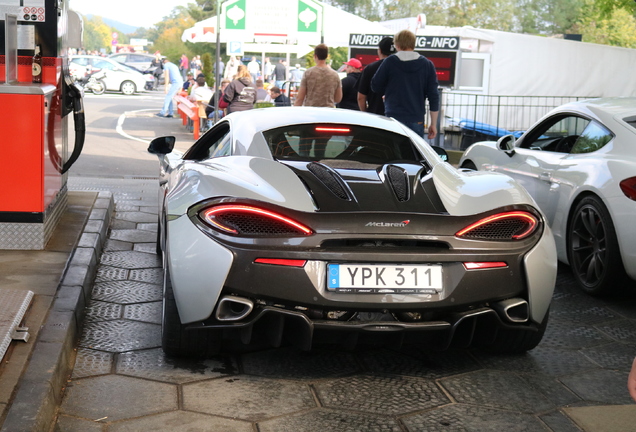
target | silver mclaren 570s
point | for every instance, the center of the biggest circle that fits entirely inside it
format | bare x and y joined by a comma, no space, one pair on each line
301,226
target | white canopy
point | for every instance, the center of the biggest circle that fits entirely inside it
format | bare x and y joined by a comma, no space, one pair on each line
338,25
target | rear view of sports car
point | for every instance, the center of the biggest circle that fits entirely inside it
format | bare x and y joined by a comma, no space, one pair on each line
309,225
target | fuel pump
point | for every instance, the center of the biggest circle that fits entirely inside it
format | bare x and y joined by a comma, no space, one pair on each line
35,114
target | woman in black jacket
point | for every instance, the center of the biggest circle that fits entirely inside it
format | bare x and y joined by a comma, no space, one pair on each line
240,94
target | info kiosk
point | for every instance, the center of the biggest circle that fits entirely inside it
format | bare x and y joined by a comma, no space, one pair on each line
37,97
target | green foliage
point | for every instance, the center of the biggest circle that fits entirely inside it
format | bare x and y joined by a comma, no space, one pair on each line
617,29
206,59
97,35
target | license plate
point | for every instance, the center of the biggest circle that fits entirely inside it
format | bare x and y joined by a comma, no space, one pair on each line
385,279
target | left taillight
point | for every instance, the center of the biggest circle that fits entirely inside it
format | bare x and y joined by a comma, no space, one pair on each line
628,186
244,220
514,225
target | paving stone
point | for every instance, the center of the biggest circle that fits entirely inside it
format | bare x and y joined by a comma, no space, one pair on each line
133,235
247,398
117,245
146,312
154,365
467,418
557,421
101,311
146,247
566,334
580,309
127,292
89,362
120,336
70,424
107,274
126,207
322,420
551,388
117,397
542,359
148,226
391,395
118,224
602,386
130,260
290,363
496,389
150,209
621,330
136,216
153,276
612,356
419,362
181,421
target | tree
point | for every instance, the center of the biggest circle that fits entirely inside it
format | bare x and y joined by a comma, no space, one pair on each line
617,29
97,35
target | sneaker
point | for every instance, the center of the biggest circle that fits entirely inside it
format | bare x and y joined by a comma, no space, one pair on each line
160,115
169,116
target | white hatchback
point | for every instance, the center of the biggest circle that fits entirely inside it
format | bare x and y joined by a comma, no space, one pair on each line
119,77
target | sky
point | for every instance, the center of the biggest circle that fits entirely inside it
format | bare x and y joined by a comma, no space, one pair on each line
132,12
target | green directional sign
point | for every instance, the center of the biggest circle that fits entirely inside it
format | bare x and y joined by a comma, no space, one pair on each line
307,17
235,15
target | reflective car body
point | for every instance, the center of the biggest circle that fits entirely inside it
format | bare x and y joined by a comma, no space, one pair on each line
119,77
138,61
307,224
579,164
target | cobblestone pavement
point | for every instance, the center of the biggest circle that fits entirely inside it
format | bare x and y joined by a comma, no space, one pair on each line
123,382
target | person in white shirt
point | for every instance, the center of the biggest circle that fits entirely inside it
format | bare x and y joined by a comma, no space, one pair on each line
254,69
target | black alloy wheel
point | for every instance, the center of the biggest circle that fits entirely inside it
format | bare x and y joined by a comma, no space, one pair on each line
593,249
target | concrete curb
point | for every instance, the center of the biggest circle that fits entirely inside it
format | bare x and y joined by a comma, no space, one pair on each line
39,394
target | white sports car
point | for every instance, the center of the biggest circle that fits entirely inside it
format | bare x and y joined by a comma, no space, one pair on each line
579,164
304,225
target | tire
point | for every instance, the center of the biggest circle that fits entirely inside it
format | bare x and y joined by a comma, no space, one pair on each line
469,165
176,340
593,250
99,87
128,88
509,341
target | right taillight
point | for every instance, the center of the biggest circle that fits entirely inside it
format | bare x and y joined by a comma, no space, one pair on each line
514,225
628,186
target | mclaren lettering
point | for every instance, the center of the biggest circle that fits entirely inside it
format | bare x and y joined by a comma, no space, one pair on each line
388,224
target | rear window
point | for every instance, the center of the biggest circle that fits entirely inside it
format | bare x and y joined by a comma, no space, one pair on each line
340,142
630,121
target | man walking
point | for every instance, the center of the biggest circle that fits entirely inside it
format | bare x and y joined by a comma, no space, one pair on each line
368,100
406,80
320,85
173,82
280,73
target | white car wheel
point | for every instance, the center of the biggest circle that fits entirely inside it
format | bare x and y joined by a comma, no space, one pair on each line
128,88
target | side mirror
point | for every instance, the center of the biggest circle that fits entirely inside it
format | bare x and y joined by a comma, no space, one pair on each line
162,145
441,152
507,144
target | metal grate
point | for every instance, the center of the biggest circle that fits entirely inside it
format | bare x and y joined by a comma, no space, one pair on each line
256,225
14,305
330,179
399,181
498,230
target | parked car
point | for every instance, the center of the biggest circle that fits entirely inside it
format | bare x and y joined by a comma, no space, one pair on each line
579,164
119,77
138,61
315,224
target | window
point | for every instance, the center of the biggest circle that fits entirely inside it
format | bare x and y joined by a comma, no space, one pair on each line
557,134
593,138
341,142
215,143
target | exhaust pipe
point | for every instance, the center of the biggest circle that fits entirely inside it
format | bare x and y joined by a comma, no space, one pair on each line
514,310
231,308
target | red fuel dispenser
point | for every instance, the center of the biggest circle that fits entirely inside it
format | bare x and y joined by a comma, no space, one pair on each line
34,114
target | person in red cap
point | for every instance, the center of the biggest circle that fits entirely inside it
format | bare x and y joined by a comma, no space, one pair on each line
350,85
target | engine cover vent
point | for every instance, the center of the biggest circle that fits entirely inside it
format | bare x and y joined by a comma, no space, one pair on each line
330,179
399,180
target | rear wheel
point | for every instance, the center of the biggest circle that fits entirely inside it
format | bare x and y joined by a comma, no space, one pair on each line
128,88
99,87
176,340
593,250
